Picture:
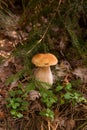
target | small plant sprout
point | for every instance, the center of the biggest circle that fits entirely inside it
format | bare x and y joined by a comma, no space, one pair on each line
43,72
17,103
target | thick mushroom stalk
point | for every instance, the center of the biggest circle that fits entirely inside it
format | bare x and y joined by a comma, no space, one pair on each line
43,72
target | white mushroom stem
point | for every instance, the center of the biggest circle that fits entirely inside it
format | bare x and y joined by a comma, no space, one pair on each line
44,74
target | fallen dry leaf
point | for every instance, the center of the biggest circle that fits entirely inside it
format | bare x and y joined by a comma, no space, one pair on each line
2,115
61,70
70,124
2,129
33,95
62,123
58,122
13,84
81,73
34,106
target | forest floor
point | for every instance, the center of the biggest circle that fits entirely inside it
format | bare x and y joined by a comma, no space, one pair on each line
69,117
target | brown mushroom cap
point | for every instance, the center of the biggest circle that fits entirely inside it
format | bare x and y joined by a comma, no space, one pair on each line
44,60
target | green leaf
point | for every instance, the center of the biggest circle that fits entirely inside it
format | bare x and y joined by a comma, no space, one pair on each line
13,112
44,95
25,103
48,113
62,101
12,101
19,91
49,103
29,87
19,115
18,99
48,97
68,95
68,86
76,95
15,105
82,99
16,114
12,93
58,88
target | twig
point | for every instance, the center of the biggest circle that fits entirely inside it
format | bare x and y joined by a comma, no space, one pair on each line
82,125
49,125
39,41
42,126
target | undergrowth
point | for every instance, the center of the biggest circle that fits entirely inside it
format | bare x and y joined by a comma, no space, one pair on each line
18,99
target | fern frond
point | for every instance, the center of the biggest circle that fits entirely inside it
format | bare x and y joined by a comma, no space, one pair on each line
74,38
15,77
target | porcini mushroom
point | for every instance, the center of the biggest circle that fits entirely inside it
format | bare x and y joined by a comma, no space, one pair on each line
43,72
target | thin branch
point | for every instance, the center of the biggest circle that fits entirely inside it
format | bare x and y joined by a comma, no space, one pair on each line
39,41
